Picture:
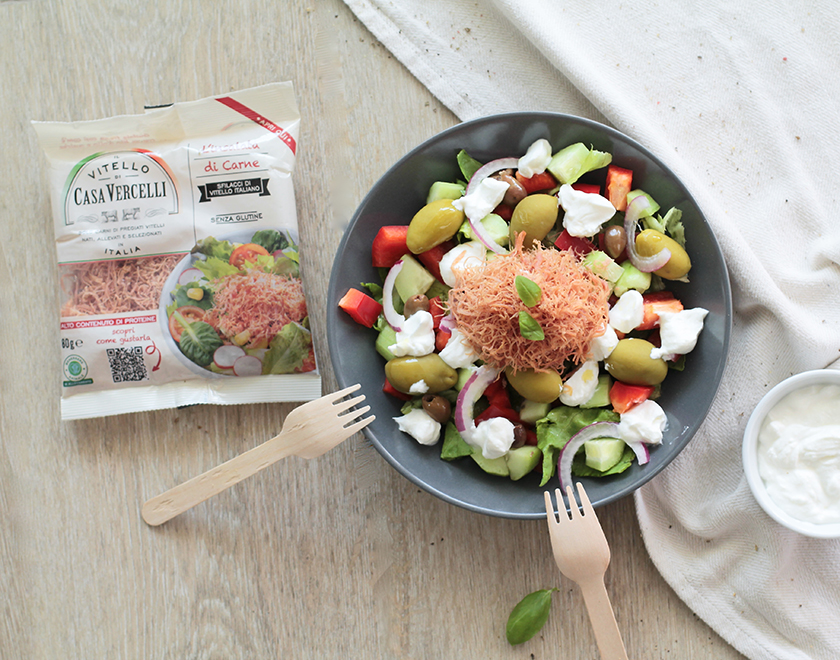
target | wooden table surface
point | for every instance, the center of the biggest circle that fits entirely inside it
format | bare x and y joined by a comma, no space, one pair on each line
338,557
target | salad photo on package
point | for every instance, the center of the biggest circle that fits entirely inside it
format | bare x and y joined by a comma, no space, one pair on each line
526,316
238,308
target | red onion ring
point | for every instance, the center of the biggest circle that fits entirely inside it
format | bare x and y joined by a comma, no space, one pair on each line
640,449
484,238
469,394
490,168
447,323
394,318
631,219
567,454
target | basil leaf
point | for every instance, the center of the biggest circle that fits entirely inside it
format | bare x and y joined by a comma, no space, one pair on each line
529,291
529,615
530,328
468,164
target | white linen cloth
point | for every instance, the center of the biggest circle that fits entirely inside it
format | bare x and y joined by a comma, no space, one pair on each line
740,99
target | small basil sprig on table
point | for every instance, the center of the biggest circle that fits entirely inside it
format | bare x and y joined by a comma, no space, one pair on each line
529,616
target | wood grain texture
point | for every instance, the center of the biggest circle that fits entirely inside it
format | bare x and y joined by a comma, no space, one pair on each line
337,557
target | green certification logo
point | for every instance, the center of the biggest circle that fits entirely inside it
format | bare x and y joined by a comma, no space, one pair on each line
75,371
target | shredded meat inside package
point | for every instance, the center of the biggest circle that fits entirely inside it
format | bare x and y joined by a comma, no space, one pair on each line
120,285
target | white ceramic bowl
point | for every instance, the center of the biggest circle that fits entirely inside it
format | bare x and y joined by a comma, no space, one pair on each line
750,452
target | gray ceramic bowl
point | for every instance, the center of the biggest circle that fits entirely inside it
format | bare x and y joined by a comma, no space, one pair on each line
401,192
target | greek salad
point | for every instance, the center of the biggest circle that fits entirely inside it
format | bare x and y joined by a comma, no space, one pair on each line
524,314
239,309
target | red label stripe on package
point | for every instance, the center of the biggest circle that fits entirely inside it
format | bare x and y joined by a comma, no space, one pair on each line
259,119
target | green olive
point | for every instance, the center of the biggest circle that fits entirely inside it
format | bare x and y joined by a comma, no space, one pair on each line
539,386
403,372
435,223
651,242
535,215
630,362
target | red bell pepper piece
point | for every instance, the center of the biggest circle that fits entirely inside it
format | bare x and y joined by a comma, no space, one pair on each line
361,307
532,184
393,391
497,394
437,311
592,188
504,211
389,245
441,339
619,182
431,258
661,301
580,246
495,411
531,437
624,396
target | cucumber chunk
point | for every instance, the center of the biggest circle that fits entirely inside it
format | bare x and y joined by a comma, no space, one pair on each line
444,190
522,461
531,411
495,466
601,396
603,266
603,453
413,279
631,278
387,337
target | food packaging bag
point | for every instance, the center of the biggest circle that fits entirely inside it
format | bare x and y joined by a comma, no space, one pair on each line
179,256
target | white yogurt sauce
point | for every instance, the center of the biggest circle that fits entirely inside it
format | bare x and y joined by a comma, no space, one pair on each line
799,454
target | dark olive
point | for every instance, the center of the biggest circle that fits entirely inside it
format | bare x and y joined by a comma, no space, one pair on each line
519,435
438,408
516,191
615,240
415,304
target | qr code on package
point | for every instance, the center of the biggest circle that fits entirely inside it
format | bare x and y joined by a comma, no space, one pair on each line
127,364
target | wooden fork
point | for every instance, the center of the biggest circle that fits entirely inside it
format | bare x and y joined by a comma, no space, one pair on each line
582,555
308,431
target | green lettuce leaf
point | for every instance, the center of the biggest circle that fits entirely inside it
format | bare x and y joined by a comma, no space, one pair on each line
288,350
212,247
454,446
556,429
215,268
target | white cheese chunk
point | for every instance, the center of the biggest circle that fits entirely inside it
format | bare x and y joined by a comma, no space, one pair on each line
416,337
584,212
420,426
458,353
644,422
580,386
481,201
536,159
628,312
678,332
461,257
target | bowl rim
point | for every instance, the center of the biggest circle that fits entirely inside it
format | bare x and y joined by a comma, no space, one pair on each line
333,290
750,451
